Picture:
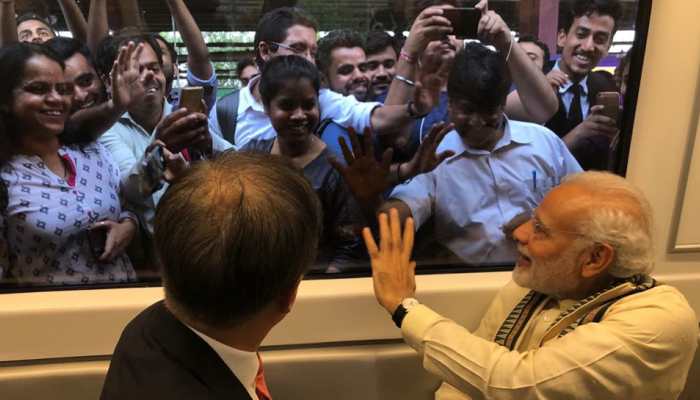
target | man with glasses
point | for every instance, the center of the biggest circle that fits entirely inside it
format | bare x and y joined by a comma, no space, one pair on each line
241,117
497,169
342,62
581,319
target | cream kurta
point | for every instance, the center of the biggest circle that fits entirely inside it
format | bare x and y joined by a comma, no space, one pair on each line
642,349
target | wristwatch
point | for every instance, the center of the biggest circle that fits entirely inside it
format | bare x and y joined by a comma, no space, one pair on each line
400,313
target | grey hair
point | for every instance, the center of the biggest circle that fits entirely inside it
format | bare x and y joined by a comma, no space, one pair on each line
619,215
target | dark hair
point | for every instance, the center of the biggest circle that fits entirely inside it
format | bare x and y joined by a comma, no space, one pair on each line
168,45
273,27
243,64
65,48
480,76
281,69
377,41
421,5
29,16
108,50
13,59
253,228
579,8
333,40
542,45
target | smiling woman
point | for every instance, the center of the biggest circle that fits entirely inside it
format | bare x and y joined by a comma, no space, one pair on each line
60,216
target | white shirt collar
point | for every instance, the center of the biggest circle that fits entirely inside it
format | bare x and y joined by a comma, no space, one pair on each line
243,364
246,98
565,87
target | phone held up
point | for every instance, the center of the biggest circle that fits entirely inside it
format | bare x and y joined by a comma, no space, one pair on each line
610,102
464,20
191,98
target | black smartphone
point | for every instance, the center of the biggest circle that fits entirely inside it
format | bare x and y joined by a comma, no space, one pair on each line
97,239
464,20
610,102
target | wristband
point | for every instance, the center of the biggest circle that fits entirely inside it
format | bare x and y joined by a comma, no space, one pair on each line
407,57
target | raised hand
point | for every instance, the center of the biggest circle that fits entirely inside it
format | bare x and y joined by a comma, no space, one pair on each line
429,25
426,159
393,272
365,176
557,78
492,28
125,76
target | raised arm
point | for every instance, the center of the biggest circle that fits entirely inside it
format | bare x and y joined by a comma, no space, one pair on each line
198,61
534,99
97,25
74,19
8,23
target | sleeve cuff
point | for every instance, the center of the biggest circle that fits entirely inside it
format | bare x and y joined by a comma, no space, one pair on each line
416,325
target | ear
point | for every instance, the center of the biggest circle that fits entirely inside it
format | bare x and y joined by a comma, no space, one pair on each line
264,50
597,260
561,38
286,300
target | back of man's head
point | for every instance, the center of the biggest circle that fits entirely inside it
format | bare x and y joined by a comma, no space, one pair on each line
342,38
273,27
233,235
580,8
616,212
480,76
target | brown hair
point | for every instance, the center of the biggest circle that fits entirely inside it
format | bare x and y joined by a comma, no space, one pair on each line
233,235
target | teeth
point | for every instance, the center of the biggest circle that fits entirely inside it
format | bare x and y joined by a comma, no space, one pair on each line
53,113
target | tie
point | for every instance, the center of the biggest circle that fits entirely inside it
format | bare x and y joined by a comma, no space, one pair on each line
260,386
575,116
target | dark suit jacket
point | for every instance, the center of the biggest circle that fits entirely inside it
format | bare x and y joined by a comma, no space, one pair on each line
593,152
158,357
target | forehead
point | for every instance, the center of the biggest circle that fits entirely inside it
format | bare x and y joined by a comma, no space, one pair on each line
148,55
42,67
32,24
387,53
530,47
78,63
347,55
301,33
565,205
296,88
594,22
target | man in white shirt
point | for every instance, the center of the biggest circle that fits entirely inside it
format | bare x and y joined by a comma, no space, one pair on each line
581,319
226,282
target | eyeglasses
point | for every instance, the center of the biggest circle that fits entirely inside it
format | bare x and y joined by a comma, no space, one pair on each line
41,88
539,229
297,48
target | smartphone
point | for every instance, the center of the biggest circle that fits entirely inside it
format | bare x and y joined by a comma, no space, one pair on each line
191,98
465,21
610,102
97,239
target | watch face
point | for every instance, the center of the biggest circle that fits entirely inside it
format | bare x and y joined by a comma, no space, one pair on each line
409,302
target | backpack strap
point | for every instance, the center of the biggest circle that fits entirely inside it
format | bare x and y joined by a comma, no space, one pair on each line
227,115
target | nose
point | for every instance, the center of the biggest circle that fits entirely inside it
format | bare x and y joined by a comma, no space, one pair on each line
522,233
297,114
587,43
307,55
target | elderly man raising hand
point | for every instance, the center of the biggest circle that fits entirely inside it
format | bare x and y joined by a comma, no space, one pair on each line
581,319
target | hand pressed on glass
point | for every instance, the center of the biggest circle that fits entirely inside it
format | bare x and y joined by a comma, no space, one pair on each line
393,272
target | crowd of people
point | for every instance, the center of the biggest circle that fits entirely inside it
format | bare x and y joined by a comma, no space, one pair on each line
462,136
473,151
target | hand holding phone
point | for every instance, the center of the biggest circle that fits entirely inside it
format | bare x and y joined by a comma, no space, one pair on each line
464,21
191,98
97,240
610,102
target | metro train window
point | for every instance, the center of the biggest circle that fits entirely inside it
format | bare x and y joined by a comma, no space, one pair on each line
69,221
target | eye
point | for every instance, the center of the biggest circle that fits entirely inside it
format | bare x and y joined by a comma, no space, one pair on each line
362,67
38,88
389,64
372,65
345,69
286,104
85,80
308,104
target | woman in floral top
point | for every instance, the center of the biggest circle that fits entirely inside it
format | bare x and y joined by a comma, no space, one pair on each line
52,194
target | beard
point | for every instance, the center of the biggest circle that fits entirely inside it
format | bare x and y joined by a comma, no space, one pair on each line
555,276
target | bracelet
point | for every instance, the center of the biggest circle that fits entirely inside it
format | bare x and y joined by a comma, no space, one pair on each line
404,80
509,49
407,57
